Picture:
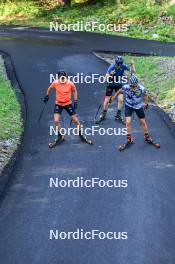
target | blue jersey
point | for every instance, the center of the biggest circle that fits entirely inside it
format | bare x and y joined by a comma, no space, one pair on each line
134,98
116,72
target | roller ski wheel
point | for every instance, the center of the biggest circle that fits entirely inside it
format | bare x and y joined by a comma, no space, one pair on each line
56,142
85,139
152,142
125,146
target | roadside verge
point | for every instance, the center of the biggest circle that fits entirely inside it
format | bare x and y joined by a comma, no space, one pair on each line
8,161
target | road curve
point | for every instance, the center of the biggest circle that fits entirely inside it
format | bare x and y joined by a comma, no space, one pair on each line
29,208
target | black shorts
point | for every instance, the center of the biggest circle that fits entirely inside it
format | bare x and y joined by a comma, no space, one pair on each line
129,110
69,109
110,89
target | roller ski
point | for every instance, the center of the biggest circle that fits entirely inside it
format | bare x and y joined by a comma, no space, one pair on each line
56,142
85,139
151,141
101,118
127,144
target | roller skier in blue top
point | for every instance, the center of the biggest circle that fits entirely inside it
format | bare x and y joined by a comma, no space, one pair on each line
116,79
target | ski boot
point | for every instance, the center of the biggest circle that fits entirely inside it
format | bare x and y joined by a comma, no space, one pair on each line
150,141
57,141
127,144
102,117
119,118
84,138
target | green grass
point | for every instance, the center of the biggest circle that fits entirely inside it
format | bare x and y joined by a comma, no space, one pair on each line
142,16
10,116
159,81
157,74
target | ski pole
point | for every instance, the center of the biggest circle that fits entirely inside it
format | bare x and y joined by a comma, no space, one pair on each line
132,71
41,114
70,122
102,101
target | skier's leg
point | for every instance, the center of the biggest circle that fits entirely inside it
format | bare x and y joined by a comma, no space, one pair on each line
141,115
120,103
57,117
109,91
144,126
60,138
143,123
128,117
106,103
147,137
71,111
105,108
129,129
118,116
129,137
76,121
81,133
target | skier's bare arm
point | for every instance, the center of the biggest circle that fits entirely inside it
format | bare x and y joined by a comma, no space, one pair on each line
46,98
50,89
113,98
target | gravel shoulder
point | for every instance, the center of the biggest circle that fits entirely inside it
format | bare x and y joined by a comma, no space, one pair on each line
11,125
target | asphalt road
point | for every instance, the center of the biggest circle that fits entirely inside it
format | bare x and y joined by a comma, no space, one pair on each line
29,208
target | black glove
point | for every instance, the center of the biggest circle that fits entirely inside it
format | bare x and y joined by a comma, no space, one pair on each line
75,105
46,99
146,106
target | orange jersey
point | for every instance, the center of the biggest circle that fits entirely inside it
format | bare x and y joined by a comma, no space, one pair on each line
63,92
